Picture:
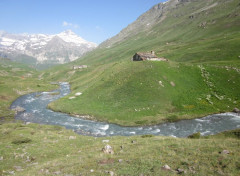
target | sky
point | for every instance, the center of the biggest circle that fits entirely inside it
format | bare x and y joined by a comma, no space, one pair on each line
93,20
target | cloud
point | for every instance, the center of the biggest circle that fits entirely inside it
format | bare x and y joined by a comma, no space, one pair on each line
67,24
98,28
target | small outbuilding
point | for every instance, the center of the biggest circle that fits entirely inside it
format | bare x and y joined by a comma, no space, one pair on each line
147,56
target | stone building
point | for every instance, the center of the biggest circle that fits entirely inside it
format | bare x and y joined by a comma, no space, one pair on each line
147,56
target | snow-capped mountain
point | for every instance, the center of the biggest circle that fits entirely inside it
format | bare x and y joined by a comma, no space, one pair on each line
43,49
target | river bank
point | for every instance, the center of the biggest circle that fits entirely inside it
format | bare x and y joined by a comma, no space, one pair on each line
33,149
37,112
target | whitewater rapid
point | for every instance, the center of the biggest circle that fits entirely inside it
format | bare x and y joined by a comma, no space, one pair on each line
35,105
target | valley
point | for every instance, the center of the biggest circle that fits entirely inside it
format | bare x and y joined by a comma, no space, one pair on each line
118,90
139,108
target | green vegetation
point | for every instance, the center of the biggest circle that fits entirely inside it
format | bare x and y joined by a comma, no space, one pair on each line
195,135
54,151
16,80
201,77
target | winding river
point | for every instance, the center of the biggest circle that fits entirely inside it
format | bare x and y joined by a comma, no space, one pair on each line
36,112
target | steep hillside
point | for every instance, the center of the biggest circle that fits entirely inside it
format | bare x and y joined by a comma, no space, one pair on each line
201,40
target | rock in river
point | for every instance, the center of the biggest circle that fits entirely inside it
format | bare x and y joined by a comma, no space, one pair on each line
19,109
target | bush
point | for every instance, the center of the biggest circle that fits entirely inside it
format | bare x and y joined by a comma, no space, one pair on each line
195,135
147,135
21,140
172,118
141,122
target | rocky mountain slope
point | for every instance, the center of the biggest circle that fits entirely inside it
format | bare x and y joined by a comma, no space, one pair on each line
44,49
161,13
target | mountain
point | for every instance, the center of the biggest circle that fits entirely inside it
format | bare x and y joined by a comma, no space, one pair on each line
144,23
171,11
39,49
201,41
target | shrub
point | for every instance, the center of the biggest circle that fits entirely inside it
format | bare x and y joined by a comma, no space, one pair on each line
172,118
141,122
21,140
195,135
147,135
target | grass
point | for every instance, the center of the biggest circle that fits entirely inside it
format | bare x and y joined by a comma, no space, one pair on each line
16,80
129,93
196,81
201,77
52,151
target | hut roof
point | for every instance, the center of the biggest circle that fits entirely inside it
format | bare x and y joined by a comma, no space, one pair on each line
147,55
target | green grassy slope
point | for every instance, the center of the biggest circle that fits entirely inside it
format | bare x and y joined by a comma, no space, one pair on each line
201,77
16,80
49,150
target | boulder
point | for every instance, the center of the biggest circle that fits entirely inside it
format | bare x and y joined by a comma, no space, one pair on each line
236,110
108,149
19,109
226,152
180,171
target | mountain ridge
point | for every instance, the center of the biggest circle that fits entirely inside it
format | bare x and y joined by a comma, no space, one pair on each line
37,46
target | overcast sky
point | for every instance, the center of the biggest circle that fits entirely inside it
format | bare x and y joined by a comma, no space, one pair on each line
93,20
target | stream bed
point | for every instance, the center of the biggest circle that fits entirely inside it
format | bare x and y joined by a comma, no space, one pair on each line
35,105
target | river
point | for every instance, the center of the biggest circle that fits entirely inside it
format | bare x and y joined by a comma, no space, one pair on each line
35,105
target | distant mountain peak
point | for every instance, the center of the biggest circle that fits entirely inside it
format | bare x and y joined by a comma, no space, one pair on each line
58,48
70,37
67,32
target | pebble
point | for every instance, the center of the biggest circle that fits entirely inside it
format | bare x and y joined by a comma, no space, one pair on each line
105,141
72,137
91,170
18,168
78,93
57,173
111,173
166,167
120,160
70,98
